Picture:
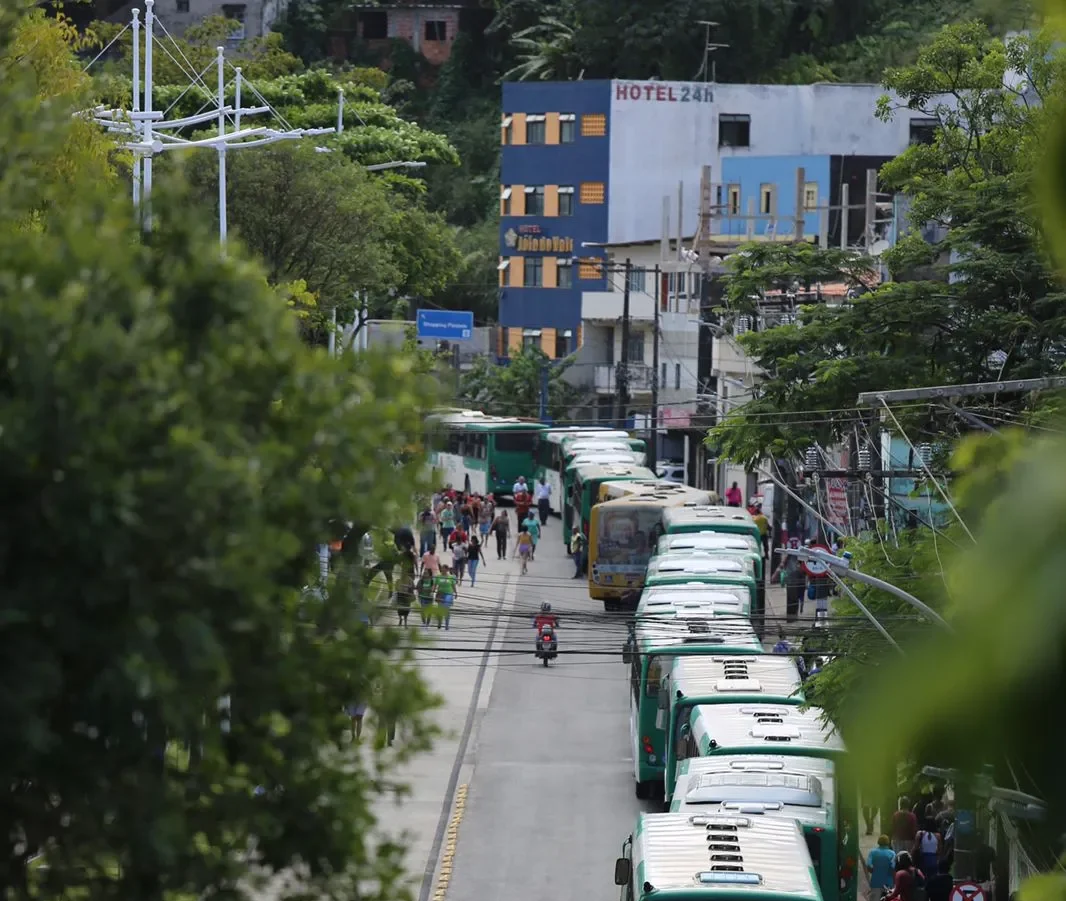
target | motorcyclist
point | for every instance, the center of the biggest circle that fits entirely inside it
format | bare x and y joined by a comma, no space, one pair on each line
545,618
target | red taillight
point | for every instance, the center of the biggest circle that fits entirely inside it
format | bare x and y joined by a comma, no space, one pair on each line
646,740
817,829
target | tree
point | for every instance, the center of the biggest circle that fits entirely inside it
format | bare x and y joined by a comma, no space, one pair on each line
515,389
172,455
983,302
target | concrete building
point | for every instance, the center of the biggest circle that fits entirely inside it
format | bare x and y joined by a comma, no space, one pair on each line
587,163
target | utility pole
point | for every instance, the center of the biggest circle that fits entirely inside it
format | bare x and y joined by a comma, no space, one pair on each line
653,438
622,379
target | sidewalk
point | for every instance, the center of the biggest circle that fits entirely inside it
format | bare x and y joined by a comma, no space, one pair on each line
419,820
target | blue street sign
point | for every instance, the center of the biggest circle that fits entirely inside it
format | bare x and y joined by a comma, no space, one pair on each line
964,822
446,325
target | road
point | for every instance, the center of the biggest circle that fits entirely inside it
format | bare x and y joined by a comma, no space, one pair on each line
531,786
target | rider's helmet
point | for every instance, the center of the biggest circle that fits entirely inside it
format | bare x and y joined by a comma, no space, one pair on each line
545,607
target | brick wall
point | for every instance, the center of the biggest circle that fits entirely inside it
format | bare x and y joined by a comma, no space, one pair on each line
410,25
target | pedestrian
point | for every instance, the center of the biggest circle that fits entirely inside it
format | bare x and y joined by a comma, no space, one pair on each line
543,493
532,525
445,589
404,598
475,555
522,503
484,520
431,562
927,844
904,826
466,514
519,486
905,880
357,712
501,528
733,496
880,867
940,886
577,553
447,521
460,553
425,595
794,578
524,547
427,531
764,530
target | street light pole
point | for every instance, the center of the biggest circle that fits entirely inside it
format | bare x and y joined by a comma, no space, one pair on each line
622,380
653,438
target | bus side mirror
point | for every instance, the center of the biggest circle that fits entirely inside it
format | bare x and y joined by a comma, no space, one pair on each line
622,870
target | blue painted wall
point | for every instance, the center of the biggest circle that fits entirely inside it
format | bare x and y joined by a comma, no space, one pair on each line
586,159
753,172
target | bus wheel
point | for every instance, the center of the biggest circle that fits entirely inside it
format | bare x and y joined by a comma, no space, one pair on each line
644,790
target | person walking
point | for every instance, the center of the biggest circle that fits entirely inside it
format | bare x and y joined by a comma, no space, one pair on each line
880,867
577,553
425,595
904,826
522,502
405,591
427,531
447,521
445,597
431,562
795,582
542,492
532,525
460,553
927,847
764,531
733,496
474,555
524,547
484,520
501,528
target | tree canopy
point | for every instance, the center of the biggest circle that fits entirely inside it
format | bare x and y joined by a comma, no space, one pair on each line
172,455
515,389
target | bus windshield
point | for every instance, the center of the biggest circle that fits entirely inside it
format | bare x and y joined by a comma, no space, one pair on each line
625,538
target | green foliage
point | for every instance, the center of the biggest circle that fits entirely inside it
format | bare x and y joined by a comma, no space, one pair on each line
986,303
515,389
172,455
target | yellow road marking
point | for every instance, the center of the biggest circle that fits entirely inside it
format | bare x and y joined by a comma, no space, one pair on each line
448,857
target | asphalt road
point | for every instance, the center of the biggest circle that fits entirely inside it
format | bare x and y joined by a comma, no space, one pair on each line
550,796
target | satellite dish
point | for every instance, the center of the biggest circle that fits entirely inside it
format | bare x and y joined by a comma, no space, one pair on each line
879,247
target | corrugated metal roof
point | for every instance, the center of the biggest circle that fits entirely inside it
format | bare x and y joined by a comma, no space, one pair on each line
773,675
776,727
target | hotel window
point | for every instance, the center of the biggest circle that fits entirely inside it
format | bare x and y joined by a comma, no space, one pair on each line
810,195
590,270
566,200
531,337
534,273
637,280
535,132
734,130
766,199
733,200
564,274
506,132
534,200
563,343
594,125
567,128
593,192
505,202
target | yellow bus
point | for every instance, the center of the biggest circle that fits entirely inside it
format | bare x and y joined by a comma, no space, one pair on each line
612,491
622,536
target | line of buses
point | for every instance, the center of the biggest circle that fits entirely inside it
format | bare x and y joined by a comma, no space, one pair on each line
759,804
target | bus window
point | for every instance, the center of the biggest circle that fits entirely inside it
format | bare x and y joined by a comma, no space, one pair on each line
655,673
515,441
814,845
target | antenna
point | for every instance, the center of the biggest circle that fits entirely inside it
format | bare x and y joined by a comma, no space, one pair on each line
708,49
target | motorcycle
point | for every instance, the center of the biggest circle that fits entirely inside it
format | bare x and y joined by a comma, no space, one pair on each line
547,644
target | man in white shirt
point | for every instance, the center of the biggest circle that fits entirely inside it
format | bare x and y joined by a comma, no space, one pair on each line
542,491
518,486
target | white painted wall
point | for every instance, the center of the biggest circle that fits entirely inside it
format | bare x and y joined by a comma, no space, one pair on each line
655,142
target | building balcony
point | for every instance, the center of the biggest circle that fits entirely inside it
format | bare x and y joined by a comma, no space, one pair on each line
605,378
606,306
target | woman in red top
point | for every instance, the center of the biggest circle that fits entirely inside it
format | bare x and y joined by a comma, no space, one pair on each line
907,877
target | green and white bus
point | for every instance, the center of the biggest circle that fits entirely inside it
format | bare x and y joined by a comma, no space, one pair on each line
763,727
727,600
685,857
725,520
654,643
556,447
481,453
803,789
711,569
